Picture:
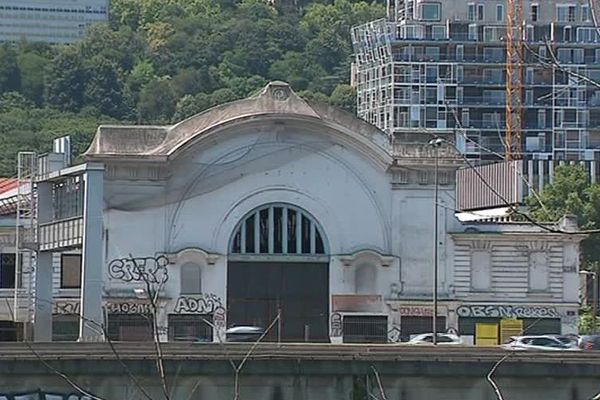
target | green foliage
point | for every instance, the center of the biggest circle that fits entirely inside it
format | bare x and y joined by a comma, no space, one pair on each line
160,61
571,193
10,77
344,96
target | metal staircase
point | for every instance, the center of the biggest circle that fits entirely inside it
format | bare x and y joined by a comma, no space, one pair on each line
25,239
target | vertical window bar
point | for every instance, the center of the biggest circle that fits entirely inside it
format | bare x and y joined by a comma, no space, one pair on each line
257,232
284,230
312,238
299,217
243,237
271,231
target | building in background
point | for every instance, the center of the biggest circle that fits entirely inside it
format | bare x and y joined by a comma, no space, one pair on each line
440,66
51,21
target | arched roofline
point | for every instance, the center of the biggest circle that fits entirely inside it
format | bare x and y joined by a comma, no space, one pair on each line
277,101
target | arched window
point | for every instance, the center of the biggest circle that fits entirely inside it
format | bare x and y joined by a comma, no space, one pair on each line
191,279
364,278
278,229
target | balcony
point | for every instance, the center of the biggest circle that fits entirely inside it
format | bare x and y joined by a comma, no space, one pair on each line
61,234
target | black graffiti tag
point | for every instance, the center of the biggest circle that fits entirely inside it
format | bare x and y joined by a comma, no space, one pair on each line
140,269
201,304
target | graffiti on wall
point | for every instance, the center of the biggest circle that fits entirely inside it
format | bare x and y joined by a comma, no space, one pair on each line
128,307
507,311
65,307
140,269
42,395
394,334
336,325
198,304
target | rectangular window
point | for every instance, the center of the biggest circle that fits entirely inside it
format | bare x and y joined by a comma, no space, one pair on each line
535,10
460,53
7,270
472,31
538,271
585,13
565,13
438,32
529,97
541,118
70,271
567,31
190,328
529,76
365,329
465,120
481,270
499,12
529,33
471,11
430,11
130,327
480,12
65,328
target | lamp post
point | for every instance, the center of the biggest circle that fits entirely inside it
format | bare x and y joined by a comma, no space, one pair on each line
435,143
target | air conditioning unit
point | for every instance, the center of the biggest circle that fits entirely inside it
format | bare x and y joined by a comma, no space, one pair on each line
541,156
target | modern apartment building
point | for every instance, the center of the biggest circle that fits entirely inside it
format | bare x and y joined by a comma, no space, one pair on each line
52,21
440,66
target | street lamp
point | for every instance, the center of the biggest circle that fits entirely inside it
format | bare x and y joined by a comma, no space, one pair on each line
436,144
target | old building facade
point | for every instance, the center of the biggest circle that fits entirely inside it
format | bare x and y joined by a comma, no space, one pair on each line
275,206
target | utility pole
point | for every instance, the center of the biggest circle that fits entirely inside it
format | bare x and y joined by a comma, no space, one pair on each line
435,143
594,300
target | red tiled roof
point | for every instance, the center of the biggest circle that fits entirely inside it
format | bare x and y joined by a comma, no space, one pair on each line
7,184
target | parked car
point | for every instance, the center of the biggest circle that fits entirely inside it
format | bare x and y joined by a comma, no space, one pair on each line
541,342
570,340
244,333
442,338
589,342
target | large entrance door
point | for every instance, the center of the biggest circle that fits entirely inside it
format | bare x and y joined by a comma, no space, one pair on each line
278,265
257,290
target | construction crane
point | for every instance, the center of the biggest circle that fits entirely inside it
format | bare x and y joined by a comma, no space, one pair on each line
514,78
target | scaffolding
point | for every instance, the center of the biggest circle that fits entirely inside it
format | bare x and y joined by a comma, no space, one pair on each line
25,239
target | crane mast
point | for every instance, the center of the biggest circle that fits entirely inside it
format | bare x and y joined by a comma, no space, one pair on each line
514,78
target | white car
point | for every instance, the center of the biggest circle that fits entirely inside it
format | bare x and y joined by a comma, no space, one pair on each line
541,342
442,338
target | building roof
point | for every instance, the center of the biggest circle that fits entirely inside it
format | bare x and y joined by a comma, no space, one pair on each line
277,101
8,184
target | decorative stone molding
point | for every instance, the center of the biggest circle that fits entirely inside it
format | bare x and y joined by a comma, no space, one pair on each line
538,245
481,245
378,260
193,255
134,172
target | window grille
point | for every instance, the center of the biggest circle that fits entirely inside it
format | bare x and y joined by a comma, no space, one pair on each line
130,327
278,229
192,328
365,328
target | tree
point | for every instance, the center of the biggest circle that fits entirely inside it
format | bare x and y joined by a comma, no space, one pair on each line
104,87
31,68
65,80
10,100
10,78
571,193
157,102
344,96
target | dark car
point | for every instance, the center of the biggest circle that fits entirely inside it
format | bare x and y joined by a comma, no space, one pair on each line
244,333
589,342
